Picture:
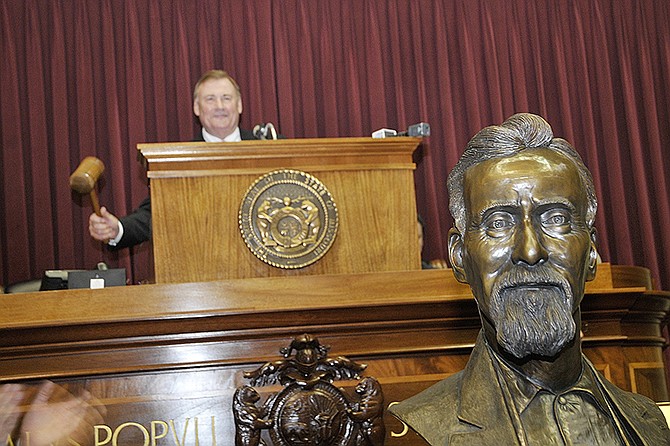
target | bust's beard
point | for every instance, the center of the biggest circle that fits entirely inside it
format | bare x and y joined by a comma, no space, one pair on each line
532,319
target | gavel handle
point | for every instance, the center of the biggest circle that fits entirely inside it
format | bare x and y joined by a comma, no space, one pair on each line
95,203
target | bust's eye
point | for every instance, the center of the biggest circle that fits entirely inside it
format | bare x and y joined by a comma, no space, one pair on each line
557,220
498,223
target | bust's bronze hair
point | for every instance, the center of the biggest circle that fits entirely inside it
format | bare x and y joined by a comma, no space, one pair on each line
524,207
520,132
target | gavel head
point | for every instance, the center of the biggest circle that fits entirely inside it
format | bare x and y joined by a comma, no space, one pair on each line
84,178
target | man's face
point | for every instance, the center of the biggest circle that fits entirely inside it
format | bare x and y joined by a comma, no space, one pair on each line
218,105
527,249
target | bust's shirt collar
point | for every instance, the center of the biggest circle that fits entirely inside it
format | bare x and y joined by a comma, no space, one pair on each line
523,389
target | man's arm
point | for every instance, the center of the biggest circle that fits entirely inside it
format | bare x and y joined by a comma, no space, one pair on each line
136,226
128,231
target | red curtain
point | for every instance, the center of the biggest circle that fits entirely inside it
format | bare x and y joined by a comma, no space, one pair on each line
96,77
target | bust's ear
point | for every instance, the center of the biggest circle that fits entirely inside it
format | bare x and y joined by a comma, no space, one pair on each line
456,254
594,257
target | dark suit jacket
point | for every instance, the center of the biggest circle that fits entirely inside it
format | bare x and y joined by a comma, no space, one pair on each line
471,408
137,225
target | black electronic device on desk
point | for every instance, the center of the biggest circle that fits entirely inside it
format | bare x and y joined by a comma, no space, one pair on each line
96,278
101,277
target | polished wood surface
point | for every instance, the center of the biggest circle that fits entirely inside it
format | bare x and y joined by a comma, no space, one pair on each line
197,190
171,355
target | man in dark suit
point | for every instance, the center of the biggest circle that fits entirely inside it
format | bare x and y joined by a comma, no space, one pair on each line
524,207
217,102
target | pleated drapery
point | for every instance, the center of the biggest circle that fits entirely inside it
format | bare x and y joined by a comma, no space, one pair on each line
96,77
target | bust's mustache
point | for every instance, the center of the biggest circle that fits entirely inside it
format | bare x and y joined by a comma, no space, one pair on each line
540,278
532,312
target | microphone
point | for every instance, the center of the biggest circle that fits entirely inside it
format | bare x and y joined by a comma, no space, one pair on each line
420,129
257,131
261,131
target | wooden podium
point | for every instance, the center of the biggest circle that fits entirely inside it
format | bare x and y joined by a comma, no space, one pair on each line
170,356
197,190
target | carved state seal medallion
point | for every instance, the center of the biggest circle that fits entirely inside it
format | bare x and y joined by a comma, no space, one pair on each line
288,219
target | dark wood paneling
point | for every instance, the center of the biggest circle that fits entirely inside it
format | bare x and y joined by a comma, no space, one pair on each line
158,355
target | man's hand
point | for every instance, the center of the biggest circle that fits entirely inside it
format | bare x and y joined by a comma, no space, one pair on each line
56,415
104,227
11,396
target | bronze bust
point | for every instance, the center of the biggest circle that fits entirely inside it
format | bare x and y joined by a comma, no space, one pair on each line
524,207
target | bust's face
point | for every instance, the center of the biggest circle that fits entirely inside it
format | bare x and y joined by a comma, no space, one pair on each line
526,248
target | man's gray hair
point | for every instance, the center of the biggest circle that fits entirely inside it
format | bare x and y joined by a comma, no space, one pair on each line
520,132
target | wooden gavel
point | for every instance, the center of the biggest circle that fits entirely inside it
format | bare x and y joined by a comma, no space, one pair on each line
83,179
